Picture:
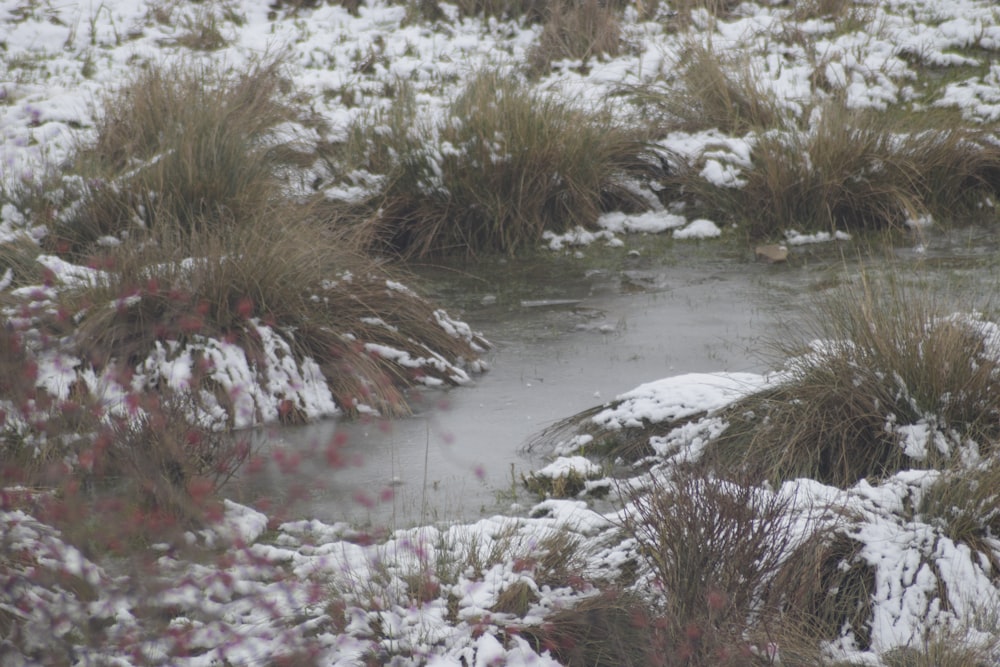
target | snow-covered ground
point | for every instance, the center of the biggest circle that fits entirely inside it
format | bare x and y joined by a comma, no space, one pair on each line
428,595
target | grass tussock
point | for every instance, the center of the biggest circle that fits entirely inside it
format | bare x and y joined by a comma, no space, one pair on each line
822,9
506,165
182,145
701,13
611,629
336,308
524,11
825,588
895,381
856,171
575,30
943,651
965,504
707,90
714,546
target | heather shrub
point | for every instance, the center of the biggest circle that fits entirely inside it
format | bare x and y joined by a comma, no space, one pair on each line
714,546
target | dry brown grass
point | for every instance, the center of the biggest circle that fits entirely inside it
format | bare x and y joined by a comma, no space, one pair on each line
708,90
712,9
824,589
965,504
526,11
292,277
576,30
611,629
181,145
944,650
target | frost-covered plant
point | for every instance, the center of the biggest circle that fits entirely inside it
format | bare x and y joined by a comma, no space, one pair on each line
505,165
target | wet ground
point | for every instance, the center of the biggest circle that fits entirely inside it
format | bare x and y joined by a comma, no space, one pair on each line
569,333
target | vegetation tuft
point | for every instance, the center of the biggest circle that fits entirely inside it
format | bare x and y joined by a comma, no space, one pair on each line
855,171
964,503
611,629
896,380
714,546
826,588
369,338
708,91
506,165
179,146
190,294
575,30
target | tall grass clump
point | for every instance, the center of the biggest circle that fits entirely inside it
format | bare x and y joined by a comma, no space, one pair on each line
506,164
825,589
182,144
856,171
964,502
894,379
370,338
708,90
576,30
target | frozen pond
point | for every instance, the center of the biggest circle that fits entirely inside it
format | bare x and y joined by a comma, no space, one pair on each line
568,335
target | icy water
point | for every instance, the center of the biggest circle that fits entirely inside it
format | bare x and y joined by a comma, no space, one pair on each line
569,334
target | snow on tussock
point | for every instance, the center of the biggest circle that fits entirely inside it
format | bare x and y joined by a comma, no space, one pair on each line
257,389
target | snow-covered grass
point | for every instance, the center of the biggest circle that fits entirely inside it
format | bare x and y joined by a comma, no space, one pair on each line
128,282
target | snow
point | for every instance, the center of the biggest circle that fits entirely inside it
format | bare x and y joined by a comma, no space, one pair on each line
794,238
698,229
565,466
678,397
269,597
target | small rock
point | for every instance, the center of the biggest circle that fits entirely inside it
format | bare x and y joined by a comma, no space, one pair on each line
633,254
489,300
772,254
